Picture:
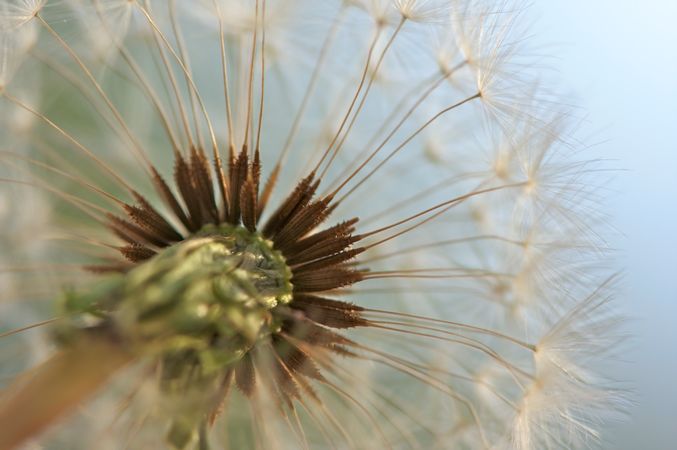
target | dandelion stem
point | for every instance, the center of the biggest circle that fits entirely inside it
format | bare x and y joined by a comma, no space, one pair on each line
31,403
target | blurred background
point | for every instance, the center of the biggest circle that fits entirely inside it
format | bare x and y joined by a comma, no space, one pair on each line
619,59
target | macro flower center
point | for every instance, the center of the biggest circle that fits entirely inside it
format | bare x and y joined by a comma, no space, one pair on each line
198,306
210,296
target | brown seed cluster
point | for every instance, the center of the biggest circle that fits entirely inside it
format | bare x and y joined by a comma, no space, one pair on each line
321,260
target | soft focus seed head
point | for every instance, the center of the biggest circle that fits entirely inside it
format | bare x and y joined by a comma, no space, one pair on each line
16,13
15,43
424,11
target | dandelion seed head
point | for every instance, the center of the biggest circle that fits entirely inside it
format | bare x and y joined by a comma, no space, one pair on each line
16,13
303,224
14,44
105,24
424,11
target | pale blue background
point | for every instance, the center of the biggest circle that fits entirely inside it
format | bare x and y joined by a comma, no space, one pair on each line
620,59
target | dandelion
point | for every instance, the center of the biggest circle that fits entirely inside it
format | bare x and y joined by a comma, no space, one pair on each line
272,224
